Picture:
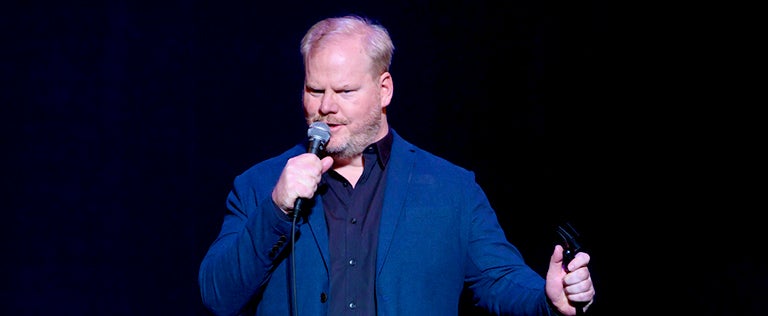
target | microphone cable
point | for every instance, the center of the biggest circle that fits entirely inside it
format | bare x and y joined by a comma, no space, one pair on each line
293,264
318,135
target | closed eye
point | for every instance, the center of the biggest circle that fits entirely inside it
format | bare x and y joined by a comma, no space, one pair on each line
314,91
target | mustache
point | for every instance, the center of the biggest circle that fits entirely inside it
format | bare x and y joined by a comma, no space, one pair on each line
328,120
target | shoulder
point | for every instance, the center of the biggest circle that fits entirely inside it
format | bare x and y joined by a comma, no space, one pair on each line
405,153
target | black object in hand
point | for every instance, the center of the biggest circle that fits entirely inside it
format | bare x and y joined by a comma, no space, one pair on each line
571,245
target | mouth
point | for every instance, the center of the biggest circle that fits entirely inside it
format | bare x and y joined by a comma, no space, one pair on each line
334,126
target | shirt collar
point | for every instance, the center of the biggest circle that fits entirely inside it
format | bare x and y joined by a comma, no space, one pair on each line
381,149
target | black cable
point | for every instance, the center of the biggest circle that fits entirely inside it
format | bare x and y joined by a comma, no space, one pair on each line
293,265
579,309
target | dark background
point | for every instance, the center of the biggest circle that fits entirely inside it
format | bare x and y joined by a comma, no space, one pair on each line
124,123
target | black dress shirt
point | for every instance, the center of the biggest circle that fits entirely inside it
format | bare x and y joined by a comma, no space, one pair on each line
353,215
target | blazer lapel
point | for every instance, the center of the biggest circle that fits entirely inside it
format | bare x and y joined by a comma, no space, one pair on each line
319,230
398,175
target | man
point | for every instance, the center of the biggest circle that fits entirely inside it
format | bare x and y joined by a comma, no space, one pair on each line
387,228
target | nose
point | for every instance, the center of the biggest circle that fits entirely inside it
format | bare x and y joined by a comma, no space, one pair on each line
328,103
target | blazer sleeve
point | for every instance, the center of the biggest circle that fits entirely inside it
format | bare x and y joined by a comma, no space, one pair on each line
497,275
253,235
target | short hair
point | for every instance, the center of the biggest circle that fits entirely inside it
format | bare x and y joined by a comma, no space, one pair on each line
376,41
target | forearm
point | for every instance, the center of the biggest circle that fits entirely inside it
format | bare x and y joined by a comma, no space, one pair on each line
239,263
497,273
504,285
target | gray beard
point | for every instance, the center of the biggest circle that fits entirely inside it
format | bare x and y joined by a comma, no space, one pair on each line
358,141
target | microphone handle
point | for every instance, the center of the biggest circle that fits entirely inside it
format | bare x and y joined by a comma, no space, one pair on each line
315,146
297,206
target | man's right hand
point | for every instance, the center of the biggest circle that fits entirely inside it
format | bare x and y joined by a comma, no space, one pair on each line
299,179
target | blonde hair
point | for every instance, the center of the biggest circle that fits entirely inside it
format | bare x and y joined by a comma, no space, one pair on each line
376,41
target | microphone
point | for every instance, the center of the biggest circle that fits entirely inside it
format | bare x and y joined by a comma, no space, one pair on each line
318,133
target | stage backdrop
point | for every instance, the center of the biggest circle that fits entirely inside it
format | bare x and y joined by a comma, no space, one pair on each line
125,122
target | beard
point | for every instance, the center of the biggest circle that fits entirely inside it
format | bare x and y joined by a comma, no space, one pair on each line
361,134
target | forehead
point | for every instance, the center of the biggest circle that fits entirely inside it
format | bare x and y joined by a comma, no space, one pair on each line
339,44
338,57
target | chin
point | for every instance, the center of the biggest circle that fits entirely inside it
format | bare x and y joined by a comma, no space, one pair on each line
333,150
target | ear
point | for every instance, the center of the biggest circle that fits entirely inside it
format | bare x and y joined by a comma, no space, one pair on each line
386,87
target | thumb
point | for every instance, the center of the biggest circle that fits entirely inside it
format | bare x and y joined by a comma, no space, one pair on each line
327,163
556,260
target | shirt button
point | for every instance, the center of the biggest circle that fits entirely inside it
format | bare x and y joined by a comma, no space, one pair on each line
352,305
353,220
352,262
323,297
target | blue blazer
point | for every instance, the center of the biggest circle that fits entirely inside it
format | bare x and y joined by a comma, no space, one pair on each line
438,232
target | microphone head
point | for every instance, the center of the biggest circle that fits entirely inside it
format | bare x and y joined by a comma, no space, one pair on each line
319,131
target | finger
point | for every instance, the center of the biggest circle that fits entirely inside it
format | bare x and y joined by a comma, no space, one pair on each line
579,261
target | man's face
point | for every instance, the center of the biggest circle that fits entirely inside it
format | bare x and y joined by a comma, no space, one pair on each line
341,90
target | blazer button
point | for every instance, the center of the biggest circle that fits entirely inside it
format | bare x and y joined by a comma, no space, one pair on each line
323,298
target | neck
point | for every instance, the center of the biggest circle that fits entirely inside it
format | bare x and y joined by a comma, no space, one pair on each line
354,161
349,168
